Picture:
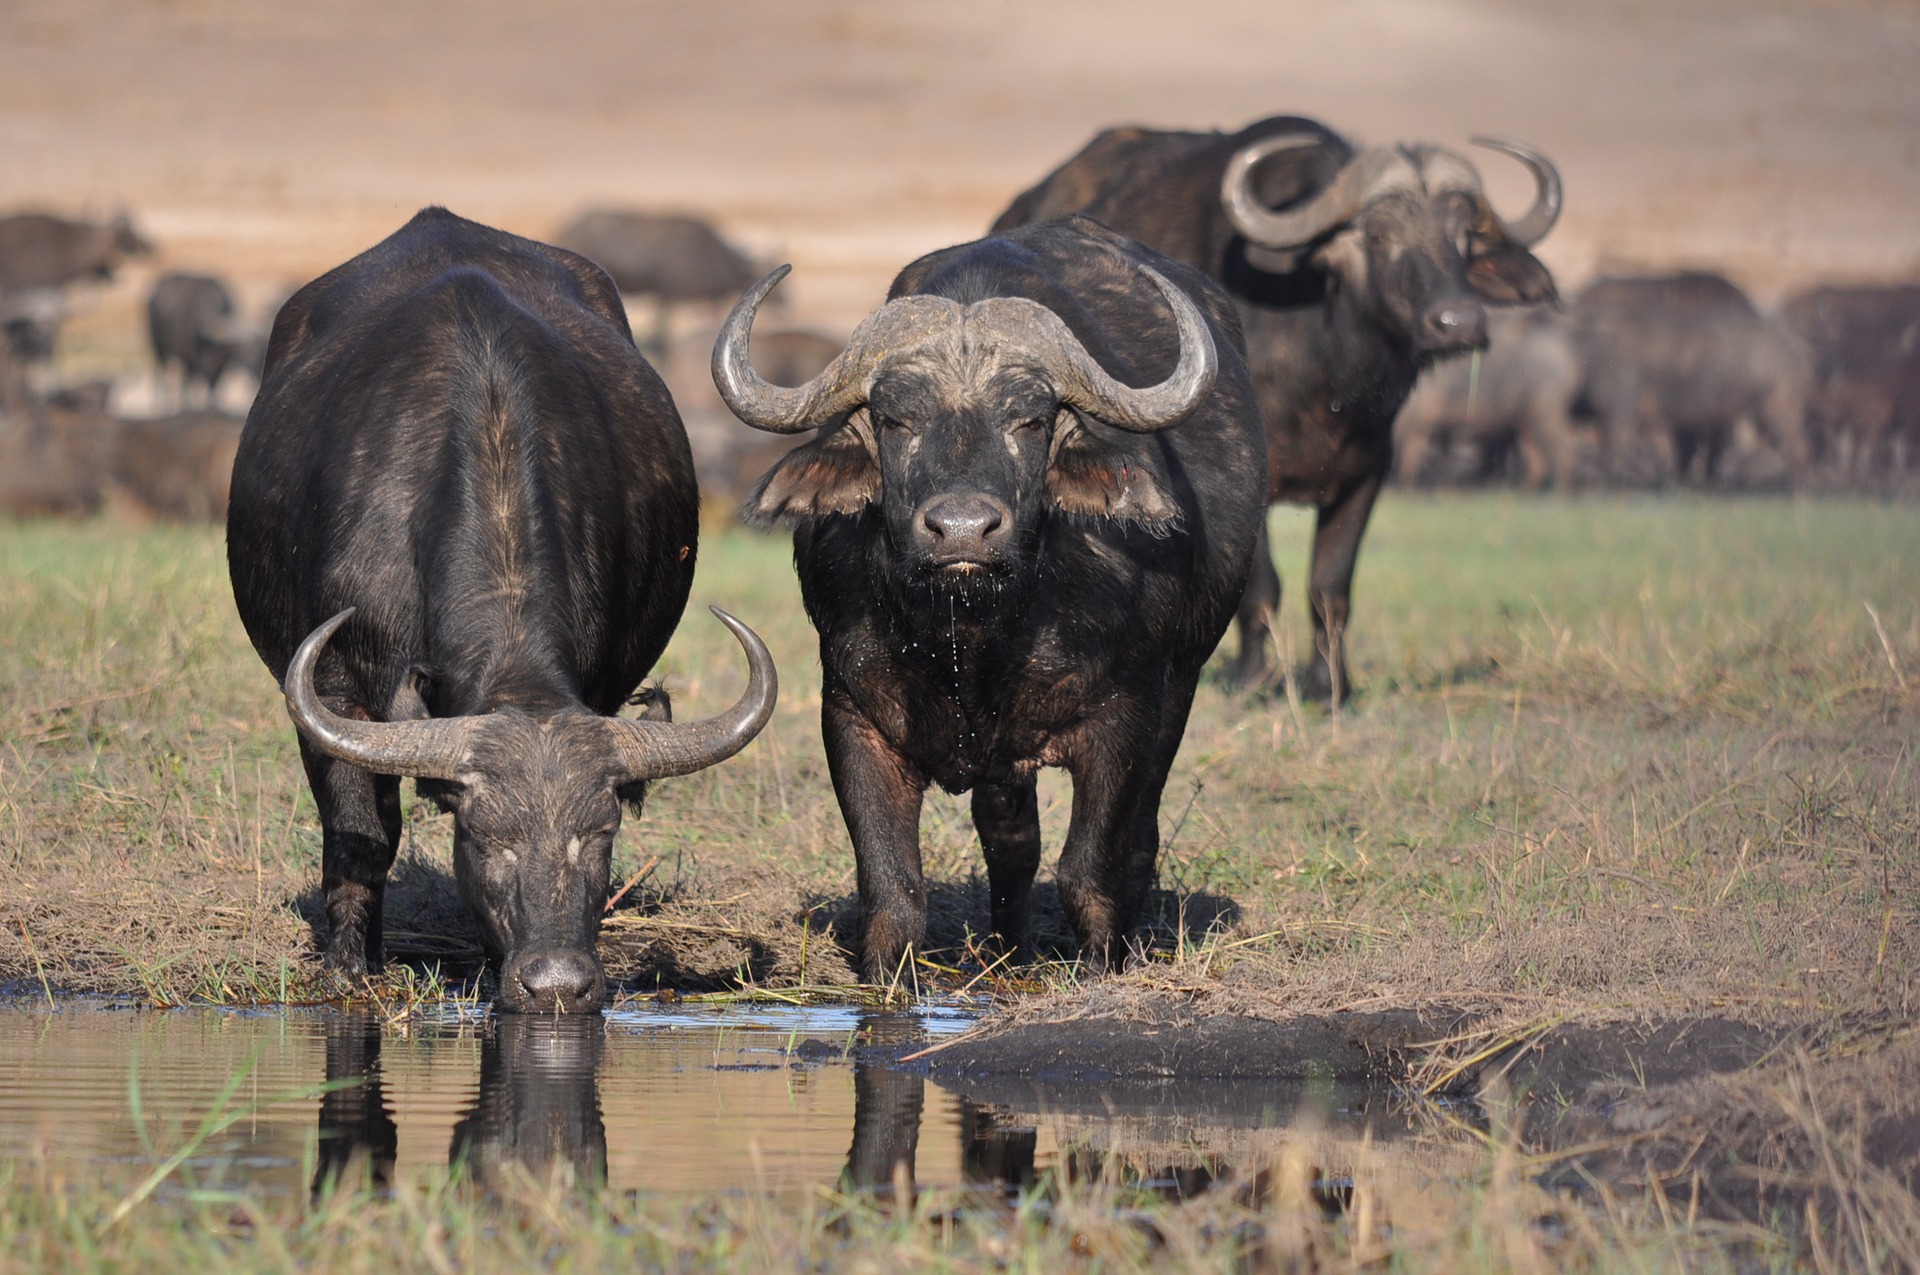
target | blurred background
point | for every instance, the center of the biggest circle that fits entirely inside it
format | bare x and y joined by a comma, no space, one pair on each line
260,143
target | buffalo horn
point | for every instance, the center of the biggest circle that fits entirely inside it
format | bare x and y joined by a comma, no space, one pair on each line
1534,224
1343,196
1082,382
841,387
424,749
656,750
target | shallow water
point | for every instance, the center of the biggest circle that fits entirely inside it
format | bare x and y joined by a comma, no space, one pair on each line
653,1099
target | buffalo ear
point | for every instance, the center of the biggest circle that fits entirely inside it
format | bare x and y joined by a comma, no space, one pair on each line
834,474
1088,475
1511,275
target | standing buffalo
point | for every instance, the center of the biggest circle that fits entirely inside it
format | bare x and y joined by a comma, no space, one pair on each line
1862,339
668,257
1021,531
1516,398
458,455
42,251
192,323
1351,270
1675,362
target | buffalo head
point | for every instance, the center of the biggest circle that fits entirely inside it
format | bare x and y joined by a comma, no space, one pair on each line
966,425
536,800
1409,229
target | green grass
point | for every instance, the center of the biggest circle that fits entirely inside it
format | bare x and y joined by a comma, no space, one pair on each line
1599,742
1610,756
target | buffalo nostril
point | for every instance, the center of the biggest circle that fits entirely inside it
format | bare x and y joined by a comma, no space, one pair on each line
963,521
555,979
1457,325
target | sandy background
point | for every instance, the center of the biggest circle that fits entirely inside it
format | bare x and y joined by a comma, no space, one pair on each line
271,140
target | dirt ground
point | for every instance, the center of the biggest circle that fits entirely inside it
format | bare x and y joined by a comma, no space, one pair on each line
270,141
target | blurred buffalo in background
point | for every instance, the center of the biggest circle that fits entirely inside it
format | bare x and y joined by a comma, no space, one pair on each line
668,258
1674,364
75,461
195,329
1514,400
1865,341
39,250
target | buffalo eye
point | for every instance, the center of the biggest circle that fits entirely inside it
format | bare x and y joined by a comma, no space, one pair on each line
1034,423
884,422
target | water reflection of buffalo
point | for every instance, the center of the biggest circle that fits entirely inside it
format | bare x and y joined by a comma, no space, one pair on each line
458,454
1351,268
537,1115
535,1119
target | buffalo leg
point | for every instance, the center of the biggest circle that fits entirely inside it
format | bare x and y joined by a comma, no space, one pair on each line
360,831
1258,604
1112,781
1007,817
1143,850
1336,547
880,795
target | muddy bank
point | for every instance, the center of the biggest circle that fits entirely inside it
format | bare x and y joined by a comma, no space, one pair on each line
1455,1051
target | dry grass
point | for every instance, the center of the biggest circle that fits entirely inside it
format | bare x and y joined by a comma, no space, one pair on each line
1612,756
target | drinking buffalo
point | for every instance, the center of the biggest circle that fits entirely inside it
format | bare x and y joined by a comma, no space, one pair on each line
1675,362
458,455
1022,529
1351,269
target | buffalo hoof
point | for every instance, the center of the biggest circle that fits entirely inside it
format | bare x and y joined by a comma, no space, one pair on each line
1313,682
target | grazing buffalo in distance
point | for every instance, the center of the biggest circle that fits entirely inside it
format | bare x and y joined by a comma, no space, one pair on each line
669,257
459,463
1863,340
1352,269
38,250
1517,398
192,324
1675,362
1022,529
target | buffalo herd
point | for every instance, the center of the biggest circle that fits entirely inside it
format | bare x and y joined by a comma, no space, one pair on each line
1027,497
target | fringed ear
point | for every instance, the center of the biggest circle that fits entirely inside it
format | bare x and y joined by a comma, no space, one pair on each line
1088,475
834,474
1510,275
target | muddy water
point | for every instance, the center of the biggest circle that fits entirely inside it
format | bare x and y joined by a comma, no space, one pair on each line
648,1100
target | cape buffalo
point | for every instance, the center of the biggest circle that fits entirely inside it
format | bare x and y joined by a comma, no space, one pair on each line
1517,397
192,323
1022,529
1351,269
1675,362
668,257
38,250
1862,340
459,456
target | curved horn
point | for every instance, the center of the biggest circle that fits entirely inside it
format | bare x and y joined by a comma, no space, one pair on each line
1534,224
1350,188
896,325
1081,381
755,401
424,749
656,750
